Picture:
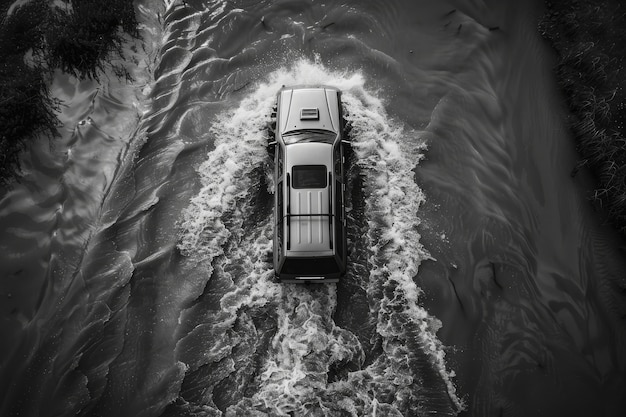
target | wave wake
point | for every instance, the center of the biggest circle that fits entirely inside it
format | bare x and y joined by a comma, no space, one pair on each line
303,362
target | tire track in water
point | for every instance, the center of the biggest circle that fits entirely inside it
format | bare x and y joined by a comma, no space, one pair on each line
387,157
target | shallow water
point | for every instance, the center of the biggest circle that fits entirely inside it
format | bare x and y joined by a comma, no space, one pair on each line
136,259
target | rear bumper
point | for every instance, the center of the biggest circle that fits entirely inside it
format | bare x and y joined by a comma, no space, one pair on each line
308,280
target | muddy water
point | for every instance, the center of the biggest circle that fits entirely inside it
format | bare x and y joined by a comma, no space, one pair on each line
137,272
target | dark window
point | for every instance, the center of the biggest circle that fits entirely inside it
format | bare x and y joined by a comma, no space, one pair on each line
339,232
309,135
337,158
309,176
310,266
280,161
279,219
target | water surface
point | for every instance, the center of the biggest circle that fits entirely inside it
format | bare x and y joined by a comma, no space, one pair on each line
137,276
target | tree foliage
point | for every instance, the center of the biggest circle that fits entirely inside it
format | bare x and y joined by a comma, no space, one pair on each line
40,36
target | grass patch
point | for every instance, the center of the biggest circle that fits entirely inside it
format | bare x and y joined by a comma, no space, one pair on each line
79,37
589,40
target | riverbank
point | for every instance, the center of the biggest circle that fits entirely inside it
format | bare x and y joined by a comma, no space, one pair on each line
588,38
39,37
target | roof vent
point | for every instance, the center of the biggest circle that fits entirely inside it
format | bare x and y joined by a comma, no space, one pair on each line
309,114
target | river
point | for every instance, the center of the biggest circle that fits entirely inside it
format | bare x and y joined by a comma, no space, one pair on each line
136,250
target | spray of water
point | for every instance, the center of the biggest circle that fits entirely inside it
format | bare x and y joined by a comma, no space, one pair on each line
305,346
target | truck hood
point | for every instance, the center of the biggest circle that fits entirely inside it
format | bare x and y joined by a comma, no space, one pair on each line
309,108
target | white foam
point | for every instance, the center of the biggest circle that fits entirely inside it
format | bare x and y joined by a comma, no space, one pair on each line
395,250
240,148
307,342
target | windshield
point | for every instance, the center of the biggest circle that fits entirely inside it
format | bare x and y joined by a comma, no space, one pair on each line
309,135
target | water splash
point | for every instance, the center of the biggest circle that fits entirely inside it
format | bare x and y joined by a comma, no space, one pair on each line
309,365
387,155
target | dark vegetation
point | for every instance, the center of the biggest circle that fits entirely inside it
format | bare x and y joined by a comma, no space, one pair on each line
40,37
590,40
